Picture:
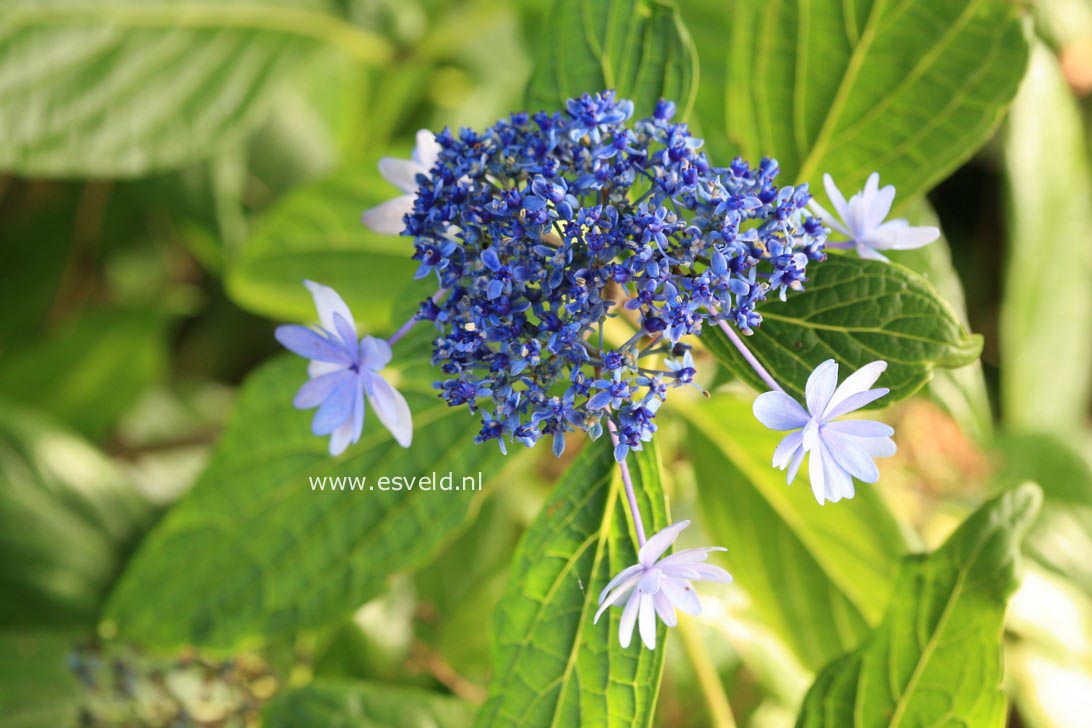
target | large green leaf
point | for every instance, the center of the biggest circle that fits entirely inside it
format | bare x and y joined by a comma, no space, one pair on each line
315,233
854,311
123,87
66,518
907,87
817,575
936,657
365,705
551,665
1046,313
37,687
640,48
91,370
264,554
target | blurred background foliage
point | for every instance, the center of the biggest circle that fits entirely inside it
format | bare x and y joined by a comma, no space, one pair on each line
170,171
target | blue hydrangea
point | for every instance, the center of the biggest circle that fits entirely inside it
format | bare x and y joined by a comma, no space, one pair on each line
543,226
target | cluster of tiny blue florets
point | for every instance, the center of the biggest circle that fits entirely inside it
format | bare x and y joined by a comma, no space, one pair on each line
545,225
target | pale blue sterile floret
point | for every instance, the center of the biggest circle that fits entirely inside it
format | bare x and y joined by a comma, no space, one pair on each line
343,373
839,451
861,220
657,587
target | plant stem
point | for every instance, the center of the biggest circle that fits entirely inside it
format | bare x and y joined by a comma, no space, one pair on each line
742,348
405,328
631,496
720,710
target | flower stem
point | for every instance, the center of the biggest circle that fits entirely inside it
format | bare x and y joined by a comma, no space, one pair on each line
743,350
720,710
631,496
405,328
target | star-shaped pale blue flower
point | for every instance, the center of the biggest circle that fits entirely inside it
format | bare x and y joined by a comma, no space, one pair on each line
840,451
863,220
652,587
343,372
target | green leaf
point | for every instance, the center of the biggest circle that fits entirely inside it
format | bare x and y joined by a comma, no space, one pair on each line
91,370
265,554
365,705
1046,313
66,518
124,87
640,48
854,311
907,87
817,575
551,665
315,233
37,688
936,657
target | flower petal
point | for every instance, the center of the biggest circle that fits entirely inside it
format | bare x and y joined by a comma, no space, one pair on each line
855,383
337,409
855,402
402,173
878,447
391,408
310,344
880,206
687,556
318,368
861,428
328,303
629,618
794,466
664,609
315,391
851,457
915,237
779,411
341,437
374,353
387,217
682,596
656,545
786,449
622,576
836,197
427,150
820,386
648,621
625,588
346,331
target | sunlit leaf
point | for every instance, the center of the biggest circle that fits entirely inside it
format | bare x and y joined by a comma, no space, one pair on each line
551,665
639,48
123,87
315,233
907,87
264,553
854,311
817,575
936,657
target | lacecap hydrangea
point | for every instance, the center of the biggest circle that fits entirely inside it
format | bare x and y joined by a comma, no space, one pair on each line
543,226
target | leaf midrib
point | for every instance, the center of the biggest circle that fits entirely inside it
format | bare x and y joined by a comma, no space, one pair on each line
904,700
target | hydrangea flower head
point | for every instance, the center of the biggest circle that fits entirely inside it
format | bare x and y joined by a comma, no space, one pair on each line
657,587
543,226
840,451
862,220
343,373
